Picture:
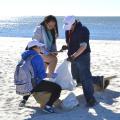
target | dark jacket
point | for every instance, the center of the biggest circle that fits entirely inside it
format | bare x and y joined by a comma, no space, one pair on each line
79,35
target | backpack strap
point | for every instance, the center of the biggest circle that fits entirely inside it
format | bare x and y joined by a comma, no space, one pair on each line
33,79
31,57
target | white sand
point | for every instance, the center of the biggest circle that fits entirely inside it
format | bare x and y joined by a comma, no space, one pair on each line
105,61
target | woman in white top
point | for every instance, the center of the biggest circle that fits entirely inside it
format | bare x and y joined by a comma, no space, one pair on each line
47,33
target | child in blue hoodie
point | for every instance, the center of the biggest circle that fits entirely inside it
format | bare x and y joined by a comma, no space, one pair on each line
39,72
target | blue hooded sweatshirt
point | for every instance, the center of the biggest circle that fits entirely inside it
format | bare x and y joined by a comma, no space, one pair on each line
37,63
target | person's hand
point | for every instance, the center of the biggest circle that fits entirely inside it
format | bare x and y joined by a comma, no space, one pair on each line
64,47
53,75
46,52
71,58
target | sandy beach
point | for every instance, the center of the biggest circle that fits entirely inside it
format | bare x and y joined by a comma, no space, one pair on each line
105,61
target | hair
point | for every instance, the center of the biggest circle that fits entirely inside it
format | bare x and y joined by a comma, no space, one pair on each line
54,32
31,48
76,23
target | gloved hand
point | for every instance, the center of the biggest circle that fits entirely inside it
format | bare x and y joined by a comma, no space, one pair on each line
64,47
71,58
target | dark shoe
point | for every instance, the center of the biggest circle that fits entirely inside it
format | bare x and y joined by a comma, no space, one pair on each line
104,83
91,102
107,82
64,47
48,109
22,103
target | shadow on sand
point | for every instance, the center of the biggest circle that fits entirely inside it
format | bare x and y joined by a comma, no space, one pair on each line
81,112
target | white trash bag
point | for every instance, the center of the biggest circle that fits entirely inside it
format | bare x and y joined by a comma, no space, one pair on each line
64,77
70,102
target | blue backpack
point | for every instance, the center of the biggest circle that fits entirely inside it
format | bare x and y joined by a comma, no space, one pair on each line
23,76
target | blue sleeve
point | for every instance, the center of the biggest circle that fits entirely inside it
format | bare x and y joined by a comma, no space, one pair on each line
39,67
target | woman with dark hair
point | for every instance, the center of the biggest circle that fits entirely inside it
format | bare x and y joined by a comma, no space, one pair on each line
47,32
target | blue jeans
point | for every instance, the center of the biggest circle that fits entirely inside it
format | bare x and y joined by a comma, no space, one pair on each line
80,69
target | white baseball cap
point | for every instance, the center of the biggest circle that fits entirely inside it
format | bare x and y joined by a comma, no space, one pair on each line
35,42
68,22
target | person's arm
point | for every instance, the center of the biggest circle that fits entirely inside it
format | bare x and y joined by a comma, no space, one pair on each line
39,67
84,37
37,34
82,48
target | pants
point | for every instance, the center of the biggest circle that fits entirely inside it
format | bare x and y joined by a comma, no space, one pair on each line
47,86
80,69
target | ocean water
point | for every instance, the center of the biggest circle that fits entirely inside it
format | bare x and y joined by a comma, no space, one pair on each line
101,28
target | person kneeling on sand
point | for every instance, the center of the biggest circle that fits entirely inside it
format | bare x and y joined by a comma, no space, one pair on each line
40,74
77,39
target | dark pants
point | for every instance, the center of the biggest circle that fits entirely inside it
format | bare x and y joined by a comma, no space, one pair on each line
80,69
47,86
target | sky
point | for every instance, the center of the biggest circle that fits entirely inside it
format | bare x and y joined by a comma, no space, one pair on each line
59,7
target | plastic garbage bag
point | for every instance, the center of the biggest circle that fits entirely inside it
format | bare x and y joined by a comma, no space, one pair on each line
70,102
64,77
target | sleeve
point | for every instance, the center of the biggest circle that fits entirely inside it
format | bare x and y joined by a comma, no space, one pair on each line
83,44
84,35
39,67
67,37
37,34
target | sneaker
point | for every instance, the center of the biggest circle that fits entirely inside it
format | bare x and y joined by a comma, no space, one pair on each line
48,109
104,83
22,103
92,102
